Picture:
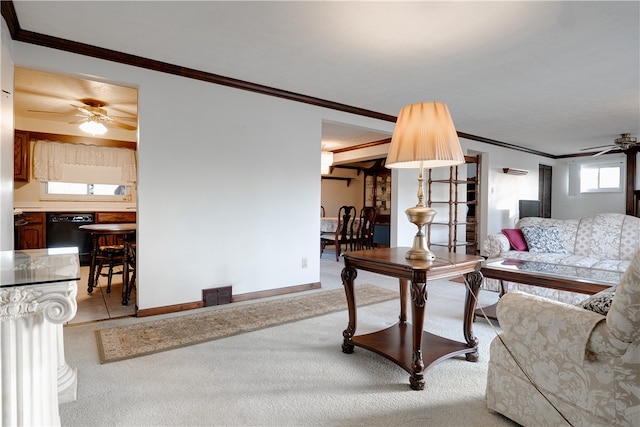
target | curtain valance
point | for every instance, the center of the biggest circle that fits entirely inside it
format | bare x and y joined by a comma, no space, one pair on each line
50,158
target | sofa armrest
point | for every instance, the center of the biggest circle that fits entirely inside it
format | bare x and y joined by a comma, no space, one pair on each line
495,245
538,328
603,344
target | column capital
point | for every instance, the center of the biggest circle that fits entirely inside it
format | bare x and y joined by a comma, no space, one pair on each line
56,301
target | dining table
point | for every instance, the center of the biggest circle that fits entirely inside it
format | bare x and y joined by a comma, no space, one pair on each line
127,231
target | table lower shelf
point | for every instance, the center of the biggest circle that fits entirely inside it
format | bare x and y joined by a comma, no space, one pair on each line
396,344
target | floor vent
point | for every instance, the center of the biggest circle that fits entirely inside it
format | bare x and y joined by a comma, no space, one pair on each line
216,296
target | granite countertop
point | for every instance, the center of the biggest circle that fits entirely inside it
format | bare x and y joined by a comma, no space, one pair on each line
37,266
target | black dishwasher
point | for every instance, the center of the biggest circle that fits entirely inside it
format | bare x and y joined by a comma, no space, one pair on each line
63,229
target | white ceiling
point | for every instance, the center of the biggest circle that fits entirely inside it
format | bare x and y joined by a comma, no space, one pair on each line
549,76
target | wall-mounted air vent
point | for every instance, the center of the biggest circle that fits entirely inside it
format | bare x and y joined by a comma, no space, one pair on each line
216,296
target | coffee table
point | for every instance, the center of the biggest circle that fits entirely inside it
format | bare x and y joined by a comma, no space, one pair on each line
404,343
555,276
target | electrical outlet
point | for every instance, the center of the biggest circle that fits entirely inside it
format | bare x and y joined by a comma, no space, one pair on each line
305,263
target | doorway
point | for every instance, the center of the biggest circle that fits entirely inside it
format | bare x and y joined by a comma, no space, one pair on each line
544,189
52,107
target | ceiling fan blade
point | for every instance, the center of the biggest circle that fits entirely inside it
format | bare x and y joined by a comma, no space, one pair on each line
599,146
604,151
48,112
122,125
133,119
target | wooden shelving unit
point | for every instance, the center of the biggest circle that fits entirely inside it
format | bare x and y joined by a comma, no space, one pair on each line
377,190
456,198
339,178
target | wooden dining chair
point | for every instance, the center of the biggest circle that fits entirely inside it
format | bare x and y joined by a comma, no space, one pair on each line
110,254
131,261
364,239
343,235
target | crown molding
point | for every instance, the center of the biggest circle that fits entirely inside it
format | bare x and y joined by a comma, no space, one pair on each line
25,36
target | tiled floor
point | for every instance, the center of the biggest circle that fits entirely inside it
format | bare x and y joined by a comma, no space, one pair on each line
100,305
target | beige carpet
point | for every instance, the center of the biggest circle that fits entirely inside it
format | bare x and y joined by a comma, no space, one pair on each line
125,342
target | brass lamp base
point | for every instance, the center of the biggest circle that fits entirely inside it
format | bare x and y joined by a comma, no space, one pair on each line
420,215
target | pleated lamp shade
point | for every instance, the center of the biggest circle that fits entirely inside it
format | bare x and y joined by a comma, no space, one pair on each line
424,137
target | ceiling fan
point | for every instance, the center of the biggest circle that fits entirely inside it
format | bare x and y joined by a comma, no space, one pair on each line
625,142
93,112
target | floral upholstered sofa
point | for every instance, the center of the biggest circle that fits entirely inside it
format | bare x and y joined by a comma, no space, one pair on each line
598,246
575,367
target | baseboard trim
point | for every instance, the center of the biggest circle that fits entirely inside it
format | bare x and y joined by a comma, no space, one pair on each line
234,298
275,292
168,309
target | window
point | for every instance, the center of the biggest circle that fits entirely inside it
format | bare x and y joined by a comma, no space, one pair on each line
601,178
83,191
77,172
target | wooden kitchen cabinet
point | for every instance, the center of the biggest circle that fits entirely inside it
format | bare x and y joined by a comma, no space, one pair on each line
114,217
111,218
21,156
33,235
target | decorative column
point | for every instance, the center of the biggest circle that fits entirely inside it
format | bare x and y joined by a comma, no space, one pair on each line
33,371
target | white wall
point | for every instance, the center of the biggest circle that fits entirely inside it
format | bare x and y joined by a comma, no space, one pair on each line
229,181
336,193
6,139
499,192
575,206
228,185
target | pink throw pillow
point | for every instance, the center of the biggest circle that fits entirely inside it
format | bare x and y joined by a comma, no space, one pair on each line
516,239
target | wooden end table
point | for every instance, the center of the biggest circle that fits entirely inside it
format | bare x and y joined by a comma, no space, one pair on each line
407,344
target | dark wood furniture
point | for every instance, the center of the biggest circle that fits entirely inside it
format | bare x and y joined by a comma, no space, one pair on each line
454,194
33,234
108,255
126,230
377,190
407,344
343,235
565,278
114,218
365,228
21,157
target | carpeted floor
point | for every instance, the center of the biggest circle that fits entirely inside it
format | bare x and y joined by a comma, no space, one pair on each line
293,374
125,342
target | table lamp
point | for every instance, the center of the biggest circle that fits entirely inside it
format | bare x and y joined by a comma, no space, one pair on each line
424,137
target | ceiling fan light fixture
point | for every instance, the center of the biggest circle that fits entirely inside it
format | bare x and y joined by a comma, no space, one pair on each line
625,138
93,127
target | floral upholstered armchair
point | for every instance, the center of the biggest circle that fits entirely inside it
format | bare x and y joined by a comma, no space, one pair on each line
585,365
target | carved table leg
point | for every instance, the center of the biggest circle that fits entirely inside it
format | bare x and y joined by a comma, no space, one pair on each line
418,303
348,277
125,272
92,263
473,281
404,287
